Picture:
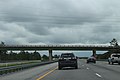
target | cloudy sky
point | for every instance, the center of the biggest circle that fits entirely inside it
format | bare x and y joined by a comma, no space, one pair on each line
59,21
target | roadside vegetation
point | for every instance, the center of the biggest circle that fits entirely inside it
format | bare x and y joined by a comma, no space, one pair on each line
106,55
6,56
19,63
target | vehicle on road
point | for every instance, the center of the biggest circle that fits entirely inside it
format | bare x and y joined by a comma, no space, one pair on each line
67,60
91,59
114,58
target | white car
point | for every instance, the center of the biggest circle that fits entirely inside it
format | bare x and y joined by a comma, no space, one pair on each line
114,58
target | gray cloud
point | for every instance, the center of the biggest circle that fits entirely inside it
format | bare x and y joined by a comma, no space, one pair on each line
59,22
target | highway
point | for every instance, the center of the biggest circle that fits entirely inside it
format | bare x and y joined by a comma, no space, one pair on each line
99,71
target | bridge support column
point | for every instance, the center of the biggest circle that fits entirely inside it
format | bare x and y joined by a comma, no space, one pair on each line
50,55
94,53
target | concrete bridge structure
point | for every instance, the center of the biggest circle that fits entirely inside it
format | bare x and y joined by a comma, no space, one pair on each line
50,48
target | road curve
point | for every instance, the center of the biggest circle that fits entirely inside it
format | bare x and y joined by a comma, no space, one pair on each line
99,71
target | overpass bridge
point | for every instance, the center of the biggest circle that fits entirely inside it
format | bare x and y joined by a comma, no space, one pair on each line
50,48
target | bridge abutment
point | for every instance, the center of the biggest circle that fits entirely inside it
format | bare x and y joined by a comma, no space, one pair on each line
94,53
50,55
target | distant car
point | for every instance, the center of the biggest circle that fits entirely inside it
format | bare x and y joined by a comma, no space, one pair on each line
67,60
114,58
91,59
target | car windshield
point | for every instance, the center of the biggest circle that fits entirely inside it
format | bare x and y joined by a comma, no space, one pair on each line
67,55
116,55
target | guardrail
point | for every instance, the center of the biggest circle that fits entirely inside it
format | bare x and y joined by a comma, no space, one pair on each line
57,46
10,69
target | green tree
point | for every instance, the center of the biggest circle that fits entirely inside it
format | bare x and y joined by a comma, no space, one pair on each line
114,42
12,56
3,53
36,56
45,57
56,56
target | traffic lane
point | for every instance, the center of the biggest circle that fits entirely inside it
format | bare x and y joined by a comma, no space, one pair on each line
105,71
105,65
29,74
86,71
114,67
82,73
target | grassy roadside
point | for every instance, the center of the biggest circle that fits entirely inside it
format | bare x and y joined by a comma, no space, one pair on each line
4,69
19,63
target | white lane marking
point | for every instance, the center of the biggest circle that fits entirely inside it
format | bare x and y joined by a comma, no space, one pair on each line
88,68
98,75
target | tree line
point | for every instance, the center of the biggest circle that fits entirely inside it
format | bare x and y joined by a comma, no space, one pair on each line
107,54
5,56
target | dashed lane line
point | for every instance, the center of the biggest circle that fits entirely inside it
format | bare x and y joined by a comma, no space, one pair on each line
98,75
88,68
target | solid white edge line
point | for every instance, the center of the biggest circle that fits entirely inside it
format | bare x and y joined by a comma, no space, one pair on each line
98,75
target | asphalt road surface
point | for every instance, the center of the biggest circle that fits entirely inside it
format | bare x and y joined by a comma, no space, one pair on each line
99,71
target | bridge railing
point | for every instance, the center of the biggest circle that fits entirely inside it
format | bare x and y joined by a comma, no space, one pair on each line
56,46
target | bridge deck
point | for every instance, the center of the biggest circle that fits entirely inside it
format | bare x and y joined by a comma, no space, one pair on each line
58,47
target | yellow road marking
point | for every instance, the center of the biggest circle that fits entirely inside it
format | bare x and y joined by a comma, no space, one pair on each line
46,74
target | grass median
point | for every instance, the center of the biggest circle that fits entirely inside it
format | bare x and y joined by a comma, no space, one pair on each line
13,67
18,63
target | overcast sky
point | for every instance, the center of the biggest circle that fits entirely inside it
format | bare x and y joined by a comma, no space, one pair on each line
59,21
